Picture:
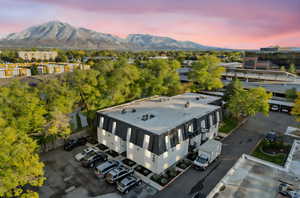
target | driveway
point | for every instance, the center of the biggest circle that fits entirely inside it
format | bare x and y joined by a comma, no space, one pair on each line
243,140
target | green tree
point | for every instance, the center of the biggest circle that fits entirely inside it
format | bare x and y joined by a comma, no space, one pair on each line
296,108
206,73
19,163
282,68
248,103
160,77
292,69
234,86
291,94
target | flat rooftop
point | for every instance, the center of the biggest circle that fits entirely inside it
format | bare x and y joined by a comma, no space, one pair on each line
251,177
166,112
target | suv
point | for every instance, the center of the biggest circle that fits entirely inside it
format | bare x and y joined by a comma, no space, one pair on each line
117,173
127,183
73,143
102,169
86,152
90,161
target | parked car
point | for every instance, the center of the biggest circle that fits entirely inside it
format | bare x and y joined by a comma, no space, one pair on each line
102,169
73,143
271,136
275,108
90,161
86,152
117,174
127,183
288,191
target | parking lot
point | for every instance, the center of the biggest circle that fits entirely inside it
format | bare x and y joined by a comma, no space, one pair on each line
63,173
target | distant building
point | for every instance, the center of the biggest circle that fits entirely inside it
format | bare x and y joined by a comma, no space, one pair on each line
159,57
9,72
37,55
159,131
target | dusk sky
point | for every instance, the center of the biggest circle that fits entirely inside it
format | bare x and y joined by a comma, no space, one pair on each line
222,23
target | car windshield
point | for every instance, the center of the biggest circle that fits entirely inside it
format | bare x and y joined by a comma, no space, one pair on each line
122,184
89,154
202,159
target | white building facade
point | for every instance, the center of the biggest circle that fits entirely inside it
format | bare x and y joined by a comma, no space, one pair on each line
157,132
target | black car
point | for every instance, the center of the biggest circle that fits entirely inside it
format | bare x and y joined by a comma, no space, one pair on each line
271,137
127,183
90,161
73,143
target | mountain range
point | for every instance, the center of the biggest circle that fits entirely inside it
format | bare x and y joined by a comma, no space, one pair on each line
56,34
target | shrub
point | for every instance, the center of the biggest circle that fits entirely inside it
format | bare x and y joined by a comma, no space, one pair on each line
163,181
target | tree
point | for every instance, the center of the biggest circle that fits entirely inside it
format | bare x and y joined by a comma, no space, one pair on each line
282,68
292,69
206,73
248,103
291,94
160,77
296,108
234,86
19,163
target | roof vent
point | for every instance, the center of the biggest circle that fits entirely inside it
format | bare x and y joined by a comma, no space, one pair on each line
197,98
145,117
133,110
123,111
187,104
152,116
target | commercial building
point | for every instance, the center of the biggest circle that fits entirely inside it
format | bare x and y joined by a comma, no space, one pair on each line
156,132
251,177
37,55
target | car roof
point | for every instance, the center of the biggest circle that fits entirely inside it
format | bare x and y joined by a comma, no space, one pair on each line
106,164
128,179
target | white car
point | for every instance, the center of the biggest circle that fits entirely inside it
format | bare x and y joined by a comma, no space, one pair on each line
85,152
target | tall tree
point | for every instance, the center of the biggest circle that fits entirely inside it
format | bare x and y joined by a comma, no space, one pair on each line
248,103
206,73
234,86
292,69
19,163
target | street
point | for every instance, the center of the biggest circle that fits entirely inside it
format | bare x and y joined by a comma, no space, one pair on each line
243,140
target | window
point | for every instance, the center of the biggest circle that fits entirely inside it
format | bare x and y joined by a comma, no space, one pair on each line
114,128
203,124
178,146
166,165
101,122
167,140
180,135
147,154
146,141
104,142
103,132
218,116
210,120
165,155
147,165
130,145
128,134
190,128
116,138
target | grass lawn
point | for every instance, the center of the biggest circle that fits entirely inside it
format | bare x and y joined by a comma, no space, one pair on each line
276,159
227,125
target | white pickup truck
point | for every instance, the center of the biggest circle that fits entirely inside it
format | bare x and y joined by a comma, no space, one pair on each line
207,153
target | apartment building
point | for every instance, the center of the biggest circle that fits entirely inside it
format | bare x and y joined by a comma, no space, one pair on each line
37,55
9,72
157,132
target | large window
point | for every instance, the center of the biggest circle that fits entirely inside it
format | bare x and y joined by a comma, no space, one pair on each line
146,141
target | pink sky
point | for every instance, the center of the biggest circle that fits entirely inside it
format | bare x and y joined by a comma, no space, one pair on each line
222,23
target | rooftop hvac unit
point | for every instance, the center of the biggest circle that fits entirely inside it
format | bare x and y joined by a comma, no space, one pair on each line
187,104
123,111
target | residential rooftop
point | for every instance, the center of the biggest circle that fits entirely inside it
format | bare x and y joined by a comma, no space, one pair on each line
164,113
251,177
